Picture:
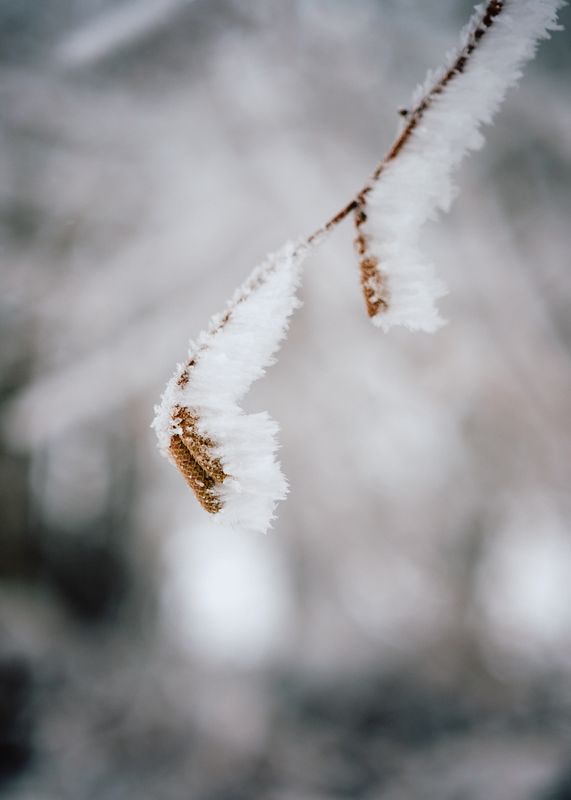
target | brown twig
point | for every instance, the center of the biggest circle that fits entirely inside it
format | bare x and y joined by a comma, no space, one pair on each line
374,287
414,116
191,451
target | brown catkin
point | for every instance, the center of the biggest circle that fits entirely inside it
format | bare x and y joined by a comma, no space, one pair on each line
192,455
372,284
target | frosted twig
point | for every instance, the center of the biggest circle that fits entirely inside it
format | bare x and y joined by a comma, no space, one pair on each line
228,457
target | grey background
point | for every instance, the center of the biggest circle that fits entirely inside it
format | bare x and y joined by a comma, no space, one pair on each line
405,629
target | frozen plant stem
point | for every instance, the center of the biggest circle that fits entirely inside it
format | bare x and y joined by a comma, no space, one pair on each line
228,457
412,118
369,265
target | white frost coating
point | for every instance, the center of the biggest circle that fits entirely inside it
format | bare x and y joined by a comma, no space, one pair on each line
417,184
229,359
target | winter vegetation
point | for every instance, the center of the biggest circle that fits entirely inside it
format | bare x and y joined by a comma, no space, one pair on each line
227,457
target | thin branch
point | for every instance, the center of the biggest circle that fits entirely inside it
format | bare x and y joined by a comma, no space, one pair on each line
481,27
227,457
368,268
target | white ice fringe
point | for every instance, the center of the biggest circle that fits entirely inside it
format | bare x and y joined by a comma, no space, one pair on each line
417,183
228,359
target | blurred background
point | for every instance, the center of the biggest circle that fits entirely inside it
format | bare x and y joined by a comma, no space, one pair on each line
404,631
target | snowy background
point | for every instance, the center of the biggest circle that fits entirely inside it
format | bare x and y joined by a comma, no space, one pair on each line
404,631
